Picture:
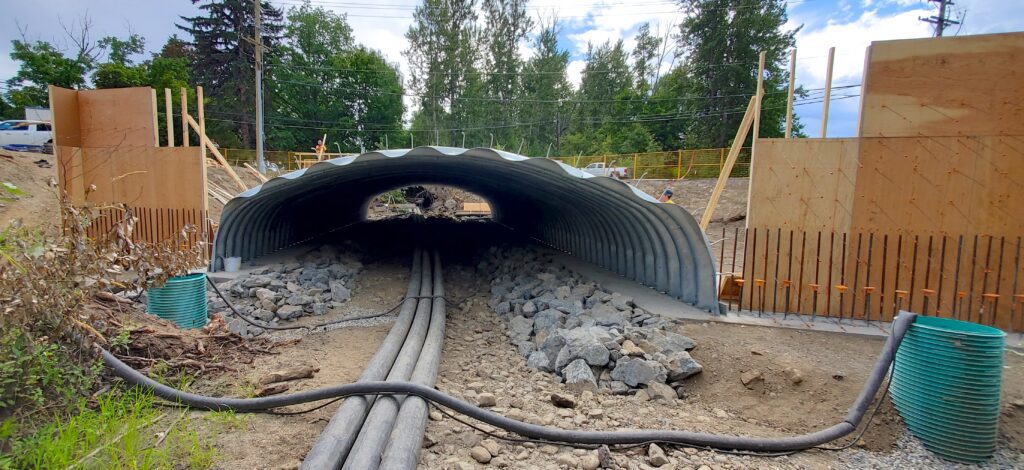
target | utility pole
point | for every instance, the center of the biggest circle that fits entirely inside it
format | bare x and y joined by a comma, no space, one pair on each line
942,20
261,164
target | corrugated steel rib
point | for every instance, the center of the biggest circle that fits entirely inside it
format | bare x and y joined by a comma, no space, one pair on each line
601,220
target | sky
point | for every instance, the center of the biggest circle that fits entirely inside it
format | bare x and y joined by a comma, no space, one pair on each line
847,25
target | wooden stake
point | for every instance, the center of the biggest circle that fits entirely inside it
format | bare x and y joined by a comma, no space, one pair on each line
169,115
184,118
255,172
156,122
828,92
789,99
201,114
734,152
759,95
205,141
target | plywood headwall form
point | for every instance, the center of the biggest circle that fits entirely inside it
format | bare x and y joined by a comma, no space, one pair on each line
938,168
107,154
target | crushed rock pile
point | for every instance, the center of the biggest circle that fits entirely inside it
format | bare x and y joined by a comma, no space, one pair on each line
315,284
590,338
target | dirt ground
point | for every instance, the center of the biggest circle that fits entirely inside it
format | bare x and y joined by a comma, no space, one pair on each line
259,441
38,206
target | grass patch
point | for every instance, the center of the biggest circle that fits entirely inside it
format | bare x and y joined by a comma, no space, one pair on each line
125,431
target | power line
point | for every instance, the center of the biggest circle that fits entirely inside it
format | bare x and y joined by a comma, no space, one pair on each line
634,119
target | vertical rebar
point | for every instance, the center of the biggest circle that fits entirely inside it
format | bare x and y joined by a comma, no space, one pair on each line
1015,301
970,290
778,259
753,266
828,285
942,274
842,279
885,267
800,282
896,281
913,276
867,278
817,266
999,279
956,278
927,274
856,277
984,279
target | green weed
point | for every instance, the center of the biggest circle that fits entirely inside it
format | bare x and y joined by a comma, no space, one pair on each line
125,431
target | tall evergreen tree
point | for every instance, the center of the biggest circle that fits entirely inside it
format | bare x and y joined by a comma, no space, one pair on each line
443,54
224,61
507,24
722,40
545,88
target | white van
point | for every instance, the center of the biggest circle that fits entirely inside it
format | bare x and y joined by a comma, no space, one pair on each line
26,135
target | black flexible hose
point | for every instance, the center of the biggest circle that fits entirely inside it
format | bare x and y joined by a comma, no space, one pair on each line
718,441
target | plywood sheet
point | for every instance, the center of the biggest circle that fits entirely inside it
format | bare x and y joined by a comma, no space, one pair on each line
64,109
115,117
144,176
804,184
940,186
955,86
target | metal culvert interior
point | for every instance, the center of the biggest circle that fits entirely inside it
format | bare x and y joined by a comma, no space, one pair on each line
598,219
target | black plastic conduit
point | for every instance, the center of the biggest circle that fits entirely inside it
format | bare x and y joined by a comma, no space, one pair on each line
756,444
337,438
403,450
373,436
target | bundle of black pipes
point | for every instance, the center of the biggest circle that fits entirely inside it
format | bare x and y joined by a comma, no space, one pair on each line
406,455
361,430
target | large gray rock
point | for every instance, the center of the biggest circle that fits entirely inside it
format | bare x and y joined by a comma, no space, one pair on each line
289,312
561,293
529,308
607,315
525,347
538,360
547,320
552,345
299,300
635,371
679,365
503,308
262,314
579,377
621,302
264,294
256,281
520,328
584,343
655,340
340,293
583,290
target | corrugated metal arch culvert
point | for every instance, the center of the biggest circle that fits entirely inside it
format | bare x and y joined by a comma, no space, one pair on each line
598,219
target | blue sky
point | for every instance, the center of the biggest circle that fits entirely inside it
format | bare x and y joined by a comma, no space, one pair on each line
849,25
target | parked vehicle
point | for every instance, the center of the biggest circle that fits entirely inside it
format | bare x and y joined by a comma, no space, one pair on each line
21,135
599,169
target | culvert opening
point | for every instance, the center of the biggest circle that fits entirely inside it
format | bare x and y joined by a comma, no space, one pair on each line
597,219
429,200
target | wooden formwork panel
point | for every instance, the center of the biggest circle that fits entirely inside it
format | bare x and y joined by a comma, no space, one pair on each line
940,186
115,117
805,184
956,86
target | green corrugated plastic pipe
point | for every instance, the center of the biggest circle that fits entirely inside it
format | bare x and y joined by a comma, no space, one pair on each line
181,300
946,385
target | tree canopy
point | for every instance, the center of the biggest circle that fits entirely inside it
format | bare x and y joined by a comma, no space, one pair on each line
470,80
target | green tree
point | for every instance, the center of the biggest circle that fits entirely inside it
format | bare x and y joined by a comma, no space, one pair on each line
41,64
722,40
546,88
645,59
223,62
443,54
322,78
118,71
507,25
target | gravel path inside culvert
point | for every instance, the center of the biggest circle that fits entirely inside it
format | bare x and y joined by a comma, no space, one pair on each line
483,364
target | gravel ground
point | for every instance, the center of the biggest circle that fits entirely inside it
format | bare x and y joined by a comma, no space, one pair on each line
481,365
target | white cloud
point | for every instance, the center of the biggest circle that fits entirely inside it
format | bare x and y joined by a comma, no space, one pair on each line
575,72
851,41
